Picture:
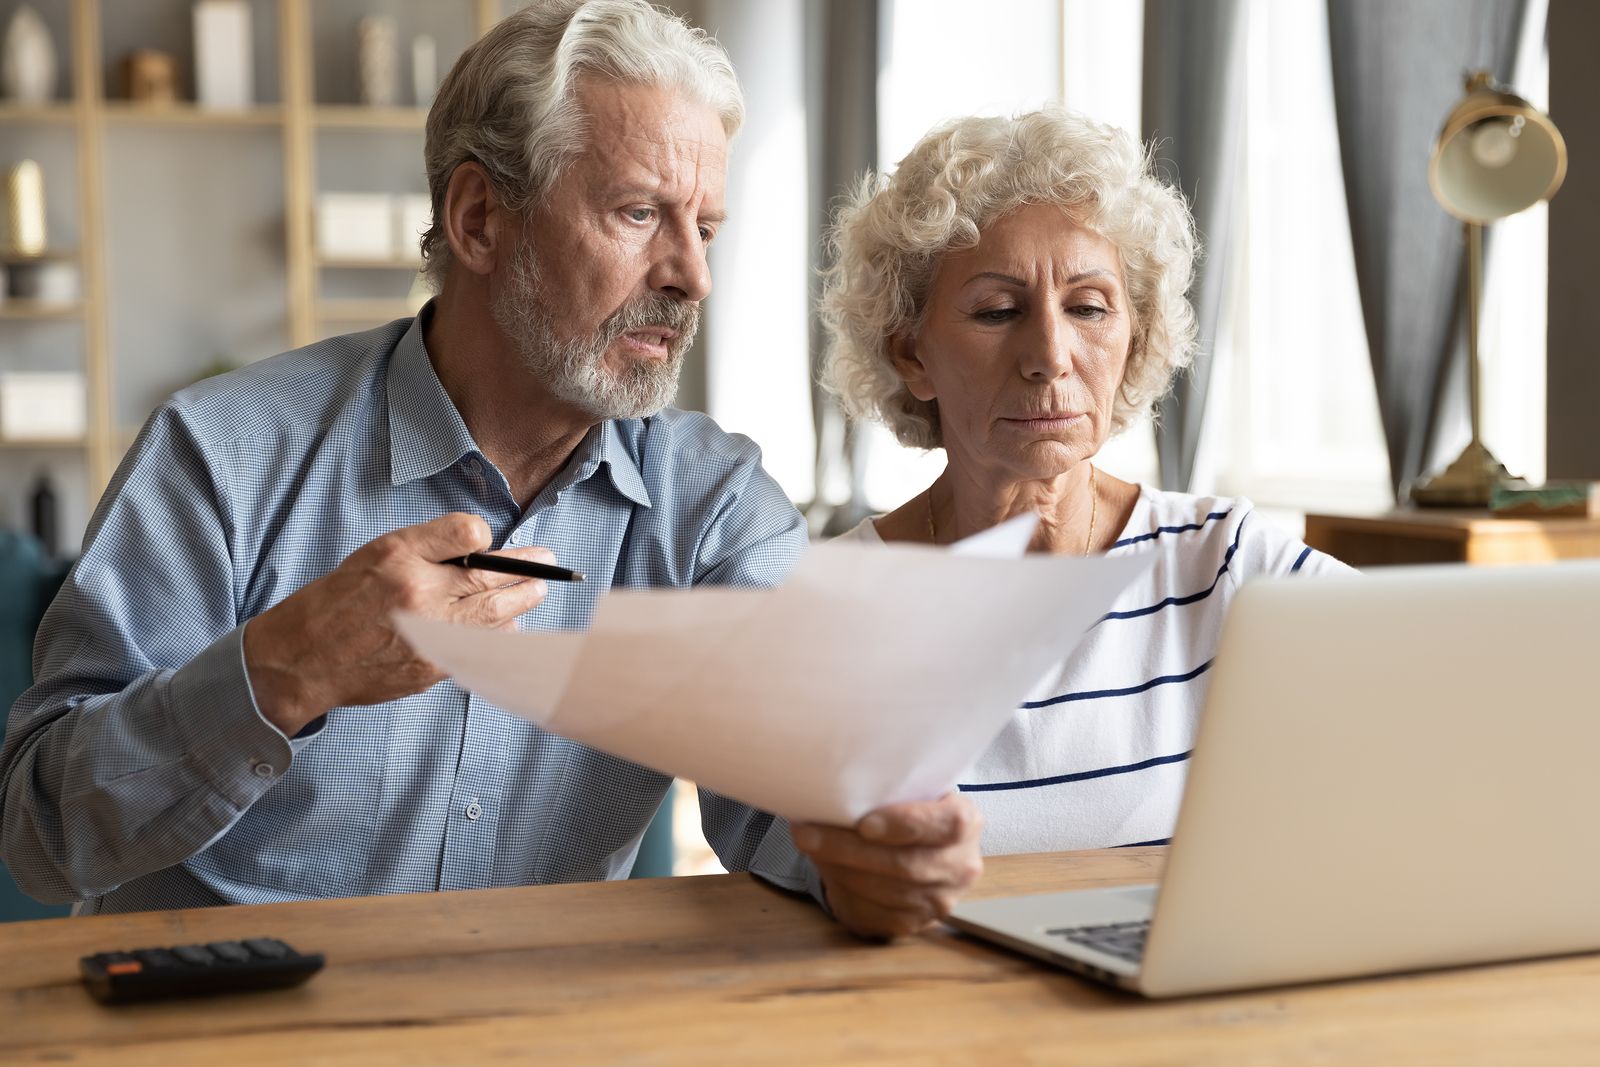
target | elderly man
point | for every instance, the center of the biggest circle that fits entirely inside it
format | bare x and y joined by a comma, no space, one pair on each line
223,712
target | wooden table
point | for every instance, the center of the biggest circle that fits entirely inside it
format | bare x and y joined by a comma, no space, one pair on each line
1447,536
725,970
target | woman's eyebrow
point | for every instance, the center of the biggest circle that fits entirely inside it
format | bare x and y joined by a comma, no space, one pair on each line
1012,279
995,275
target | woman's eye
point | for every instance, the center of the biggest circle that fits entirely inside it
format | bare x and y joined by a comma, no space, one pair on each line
1089,311
995,315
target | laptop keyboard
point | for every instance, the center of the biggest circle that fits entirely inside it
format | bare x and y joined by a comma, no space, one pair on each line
1122,940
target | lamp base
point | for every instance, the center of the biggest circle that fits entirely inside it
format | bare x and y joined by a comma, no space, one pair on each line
1466,483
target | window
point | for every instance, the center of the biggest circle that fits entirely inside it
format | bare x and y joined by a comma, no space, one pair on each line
1292,418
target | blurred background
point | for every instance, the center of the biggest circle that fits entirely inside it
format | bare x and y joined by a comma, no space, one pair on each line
227,179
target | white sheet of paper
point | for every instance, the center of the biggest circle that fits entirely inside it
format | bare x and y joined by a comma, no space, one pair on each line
875,674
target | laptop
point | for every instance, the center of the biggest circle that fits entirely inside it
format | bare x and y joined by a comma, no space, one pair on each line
1393,772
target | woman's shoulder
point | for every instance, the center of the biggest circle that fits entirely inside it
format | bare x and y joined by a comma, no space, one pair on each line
1181,520
1230,529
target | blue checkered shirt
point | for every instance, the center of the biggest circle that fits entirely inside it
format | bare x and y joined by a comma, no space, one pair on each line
139,773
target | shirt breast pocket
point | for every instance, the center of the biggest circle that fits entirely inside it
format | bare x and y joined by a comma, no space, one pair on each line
311,834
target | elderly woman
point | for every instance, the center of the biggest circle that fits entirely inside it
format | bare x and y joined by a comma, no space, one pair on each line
1014,294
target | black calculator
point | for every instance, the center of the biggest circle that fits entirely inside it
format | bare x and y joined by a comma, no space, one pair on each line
196,970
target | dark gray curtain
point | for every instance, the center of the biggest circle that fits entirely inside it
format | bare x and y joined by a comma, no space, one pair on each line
1193,105
842,63
1398,68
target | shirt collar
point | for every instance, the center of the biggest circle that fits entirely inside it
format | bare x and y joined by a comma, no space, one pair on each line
427,433
621,464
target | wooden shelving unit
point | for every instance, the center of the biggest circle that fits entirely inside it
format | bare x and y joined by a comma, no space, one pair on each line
297,119
44,113
369,118
124,112
40,309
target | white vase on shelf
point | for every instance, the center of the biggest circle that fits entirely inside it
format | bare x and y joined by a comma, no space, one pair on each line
378,61
28,59
424,69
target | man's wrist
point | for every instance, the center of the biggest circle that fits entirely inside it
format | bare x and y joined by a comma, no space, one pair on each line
279,679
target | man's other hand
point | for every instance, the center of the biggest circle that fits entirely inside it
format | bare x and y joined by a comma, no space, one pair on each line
333,642
901,868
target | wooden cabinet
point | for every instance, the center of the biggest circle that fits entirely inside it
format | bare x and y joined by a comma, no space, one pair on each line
1416,536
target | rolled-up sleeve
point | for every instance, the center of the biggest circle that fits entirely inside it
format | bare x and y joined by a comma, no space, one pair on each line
140,741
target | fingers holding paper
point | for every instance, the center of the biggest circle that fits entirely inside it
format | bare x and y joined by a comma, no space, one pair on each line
901,868
332,643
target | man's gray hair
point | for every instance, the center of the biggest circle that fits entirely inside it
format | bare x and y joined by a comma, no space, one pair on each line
510,102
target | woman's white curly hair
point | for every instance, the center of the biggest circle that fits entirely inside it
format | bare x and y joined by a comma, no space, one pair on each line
890,234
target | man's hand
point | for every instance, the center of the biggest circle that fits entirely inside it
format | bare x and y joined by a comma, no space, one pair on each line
333,643
902,867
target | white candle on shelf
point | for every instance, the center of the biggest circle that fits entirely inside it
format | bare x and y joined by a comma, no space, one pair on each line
25,199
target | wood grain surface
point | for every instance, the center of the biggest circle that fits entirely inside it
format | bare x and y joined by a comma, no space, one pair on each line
724,969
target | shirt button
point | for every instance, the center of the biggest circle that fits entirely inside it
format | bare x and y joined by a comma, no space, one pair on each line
474,466
262,770
474,809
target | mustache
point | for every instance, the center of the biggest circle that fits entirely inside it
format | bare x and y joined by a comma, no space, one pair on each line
680,316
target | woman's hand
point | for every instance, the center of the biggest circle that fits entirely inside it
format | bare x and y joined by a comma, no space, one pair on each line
901,868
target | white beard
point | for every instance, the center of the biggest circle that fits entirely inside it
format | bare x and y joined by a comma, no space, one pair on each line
574,370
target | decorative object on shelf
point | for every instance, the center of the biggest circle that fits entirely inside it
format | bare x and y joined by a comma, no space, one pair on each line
424,69
28,59
49,281
355,226
1496,155
45,515
378,61
42,406
224,72
1575,499
150,77
413,214
25,234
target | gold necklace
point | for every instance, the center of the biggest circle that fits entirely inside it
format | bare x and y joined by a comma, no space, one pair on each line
1094,512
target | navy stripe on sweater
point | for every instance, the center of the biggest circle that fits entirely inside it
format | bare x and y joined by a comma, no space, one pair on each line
1192,598
1134,690
1080,776
1159,530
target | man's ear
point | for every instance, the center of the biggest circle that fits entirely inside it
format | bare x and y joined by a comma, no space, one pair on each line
480,232
903,357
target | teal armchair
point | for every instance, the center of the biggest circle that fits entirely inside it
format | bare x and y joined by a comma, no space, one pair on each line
28,582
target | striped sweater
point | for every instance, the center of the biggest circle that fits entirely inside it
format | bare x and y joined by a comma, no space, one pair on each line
1096,756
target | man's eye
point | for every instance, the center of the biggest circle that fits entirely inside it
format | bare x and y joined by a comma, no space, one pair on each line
641,214
707,233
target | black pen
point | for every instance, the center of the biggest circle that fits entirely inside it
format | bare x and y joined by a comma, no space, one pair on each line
483,561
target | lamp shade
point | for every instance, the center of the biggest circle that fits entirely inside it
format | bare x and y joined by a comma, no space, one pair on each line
1496,155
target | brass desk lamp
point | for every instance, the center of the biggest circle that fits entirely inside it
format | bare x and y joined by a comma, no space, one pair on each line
1496,155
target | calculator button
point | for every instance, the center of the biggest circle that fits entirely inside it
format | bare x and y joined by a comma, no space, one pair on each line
265,946
155,957
195,955
124,967
231,951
